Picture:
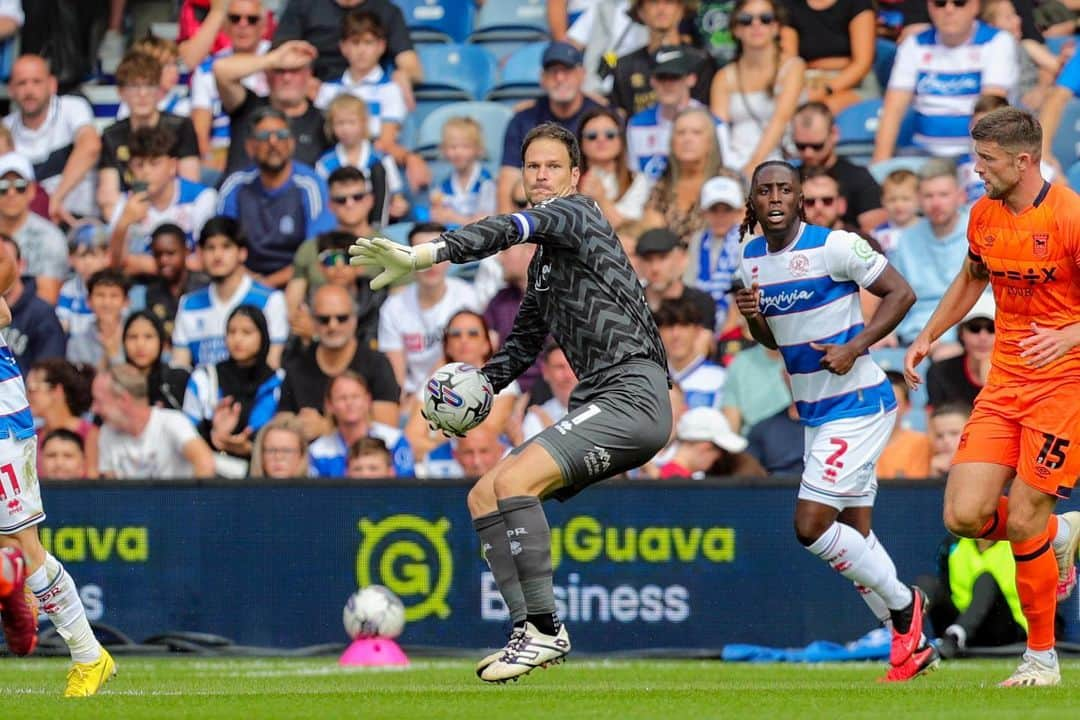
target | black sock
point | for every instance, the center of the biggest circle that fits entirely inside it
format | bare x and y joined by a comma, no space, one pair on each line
901,619
547,623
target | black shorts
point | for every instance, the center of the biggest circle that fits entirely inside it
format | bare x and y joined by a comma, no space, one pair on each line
617,421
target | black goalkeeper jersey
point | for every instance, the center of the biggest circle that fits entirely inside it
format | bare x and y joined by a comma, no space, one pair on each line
581,289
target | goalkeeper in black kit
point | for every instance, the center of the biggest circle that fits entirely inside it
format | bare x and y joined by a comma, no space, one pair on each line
583,291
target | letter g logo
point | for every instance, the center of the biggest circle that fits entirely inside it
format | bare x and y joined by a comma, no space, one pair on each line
411,557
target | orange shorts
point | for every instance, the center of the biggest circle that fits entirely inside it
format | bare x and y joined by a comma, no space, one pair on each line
1032,427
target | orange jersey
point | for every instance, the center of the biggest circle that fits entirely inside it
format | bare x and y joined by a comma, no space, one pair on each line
1034,264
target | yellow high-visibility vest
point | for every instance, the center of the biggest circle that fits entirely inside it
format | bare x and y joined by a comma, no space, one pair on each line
966,564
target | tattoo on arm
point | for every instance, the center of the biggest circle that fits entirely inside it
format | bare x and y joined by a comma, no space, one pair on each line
978,270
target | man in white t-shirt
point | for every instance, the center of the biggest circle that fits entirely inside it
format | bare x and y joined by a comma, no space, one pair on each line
40,242
140,441
57,134
411,323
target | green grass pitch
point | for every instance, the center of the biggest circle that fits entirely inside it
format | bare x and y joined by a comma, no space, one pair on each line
583,688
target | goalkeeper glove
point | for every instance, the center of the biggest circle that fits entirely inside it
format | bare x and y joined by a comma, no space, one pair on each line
395,261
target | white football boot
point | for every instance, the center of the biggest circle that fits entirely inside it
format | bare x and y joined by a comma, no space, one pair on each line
1032,673
529,650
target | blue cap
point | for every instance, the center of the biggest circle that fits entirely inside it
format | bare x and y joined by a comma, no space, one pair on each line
561,53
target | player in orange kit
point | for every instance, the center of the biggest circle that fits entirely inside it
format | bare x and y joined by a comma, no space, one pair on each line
1024,239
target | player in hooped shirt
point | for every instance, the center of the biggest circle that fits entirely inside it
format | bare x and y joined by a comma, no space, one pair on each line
800,294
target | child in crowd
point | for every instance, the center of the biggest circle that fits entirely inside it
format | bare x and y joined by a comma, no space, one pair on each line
174,95
900,197
63,456
1039,66
347,123
945,428
88,252
370,459
467,194
101,342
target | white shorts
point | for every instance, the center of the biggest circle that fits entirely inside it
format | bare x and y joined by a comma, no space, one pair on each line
20,493
841,460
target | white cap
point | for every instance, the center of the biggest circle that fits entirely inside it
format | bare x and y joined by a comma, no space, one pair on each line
16,163
721,189
983,308
706,424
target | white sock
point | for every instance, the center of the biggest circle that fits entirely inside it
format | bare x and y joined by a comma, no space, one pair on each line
849,553
1046,657
872,599
1062,536
59,598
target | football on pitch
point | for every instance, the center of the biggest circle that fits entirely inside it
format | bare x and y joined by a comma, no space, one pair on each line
374,611
458,397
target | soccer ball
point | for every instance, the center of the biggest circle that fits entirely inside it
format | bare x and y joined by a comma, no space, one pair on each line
458,397
373,611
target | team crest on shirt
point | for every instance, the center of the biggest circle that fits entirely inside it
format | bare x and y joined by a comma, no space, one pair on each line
1040,244
799,265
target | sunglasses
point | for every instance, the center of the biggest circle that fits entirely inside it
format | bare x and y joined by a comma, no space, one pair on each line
747,19
344,199
943,3
823,201
977,327
596,134
19,186
816,147
237,19
471,332
325,319
265,135
330,258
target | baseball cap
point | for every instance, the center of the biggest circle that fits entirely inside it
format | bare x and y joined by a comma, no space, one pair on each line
561,53
673,61
16,163
983,308
706,424
657,240
721,189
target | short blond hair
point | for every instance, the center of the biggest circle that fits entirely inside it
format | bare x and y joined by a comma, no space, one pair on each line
346,103
468,126
903,176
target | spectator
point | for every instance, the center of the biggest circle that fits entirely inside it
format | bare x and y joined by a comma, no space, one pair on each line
900,196
606,176
174,97
199,333
756,95
681,325
467,194
467,339
244,25
945,429
142,442
40,242
34,333
648,132
694,158
959,379
907,454
88,252
288,72
604,32
478,451
704,440
563,102
308,372
778,442
59,396
370,459
39,204
346,123
560,378
138,77
44,127
932,250
348,402
940,72
281,450
229,401
1065,88
63,456
631,91
100,343
157,196
113,41
281,201
160,293
663,259
713,254
412,322
207,27
502,309
837,43
815,135
822,202
363,42
755,388
1038,65
144,343
319,22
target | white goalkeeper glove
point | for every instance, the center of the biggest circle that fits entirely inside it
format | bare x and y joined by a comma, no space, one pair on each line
394,260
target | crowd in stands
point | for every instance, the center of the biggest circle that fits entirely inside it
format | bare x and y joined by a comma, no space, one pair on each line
187,308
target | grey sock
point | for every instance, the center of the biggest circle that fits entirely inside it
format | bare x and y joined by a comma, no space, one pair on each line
495,548
530,546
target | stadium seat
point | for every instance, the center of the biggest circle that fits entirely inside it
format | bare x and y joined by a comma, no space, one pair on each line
455,72
884,55
105,100
1066,145
438,21
520,75
398,232
858,127
909,162
1072,176
493,118
506,24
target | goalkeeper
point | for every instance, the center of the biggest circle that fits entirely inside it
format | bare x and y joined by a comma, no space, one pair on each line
582,290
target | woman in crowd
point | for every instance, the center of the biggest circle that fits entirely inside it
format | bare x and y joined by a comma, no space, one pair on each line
757,93
59,395
280,451
836,38
605,170
144,342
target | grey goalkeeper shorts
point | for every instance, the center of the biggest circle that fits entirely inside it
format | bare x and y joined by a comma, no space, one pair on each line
618,420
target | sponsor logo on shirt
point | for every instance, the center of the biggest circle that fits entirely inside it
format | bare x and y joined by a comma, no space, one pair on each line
784,300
